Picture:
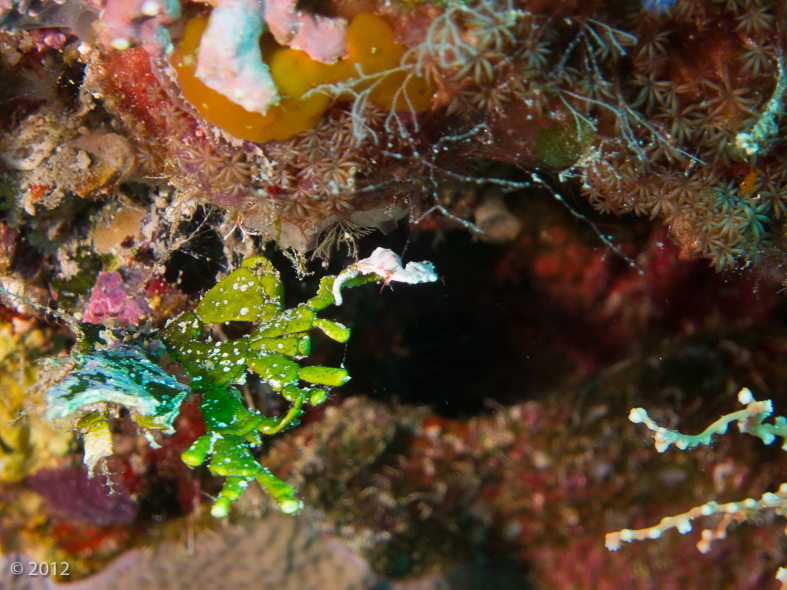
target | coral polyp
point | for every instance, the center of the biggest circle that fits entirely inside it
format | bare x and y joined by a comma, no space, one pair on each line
672,140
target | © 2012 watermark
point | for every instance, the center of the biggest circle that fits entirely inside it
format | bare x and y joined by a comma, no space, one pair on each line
40,568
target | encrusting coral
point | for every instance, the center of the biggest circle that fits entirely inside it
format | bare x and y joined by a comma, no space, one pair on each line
28,442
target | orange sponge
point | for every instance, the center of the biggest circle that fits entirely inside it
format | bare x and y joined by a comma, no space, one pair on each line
372,48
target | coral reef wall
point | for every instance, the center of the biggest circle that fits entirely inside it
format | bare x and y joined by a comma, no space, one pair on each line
670,112
601,189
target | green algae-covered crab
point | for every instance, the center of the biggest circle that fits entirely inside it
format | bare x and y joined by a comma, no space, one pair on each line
111,370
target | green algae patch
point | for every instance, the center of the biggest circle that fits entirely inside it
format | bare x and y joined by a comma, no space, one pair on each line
123,368
562,146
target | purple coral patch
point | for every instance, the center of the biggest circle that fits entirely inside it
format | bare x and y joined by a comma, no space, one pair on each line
73,496
111,300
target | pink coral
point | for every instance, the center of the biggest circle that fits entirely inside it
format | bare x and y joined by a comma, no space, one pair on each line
111,300
323,39
123,23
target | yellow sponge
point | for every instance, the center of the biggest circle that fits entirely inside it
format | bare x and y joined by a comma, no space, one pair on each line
372,49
